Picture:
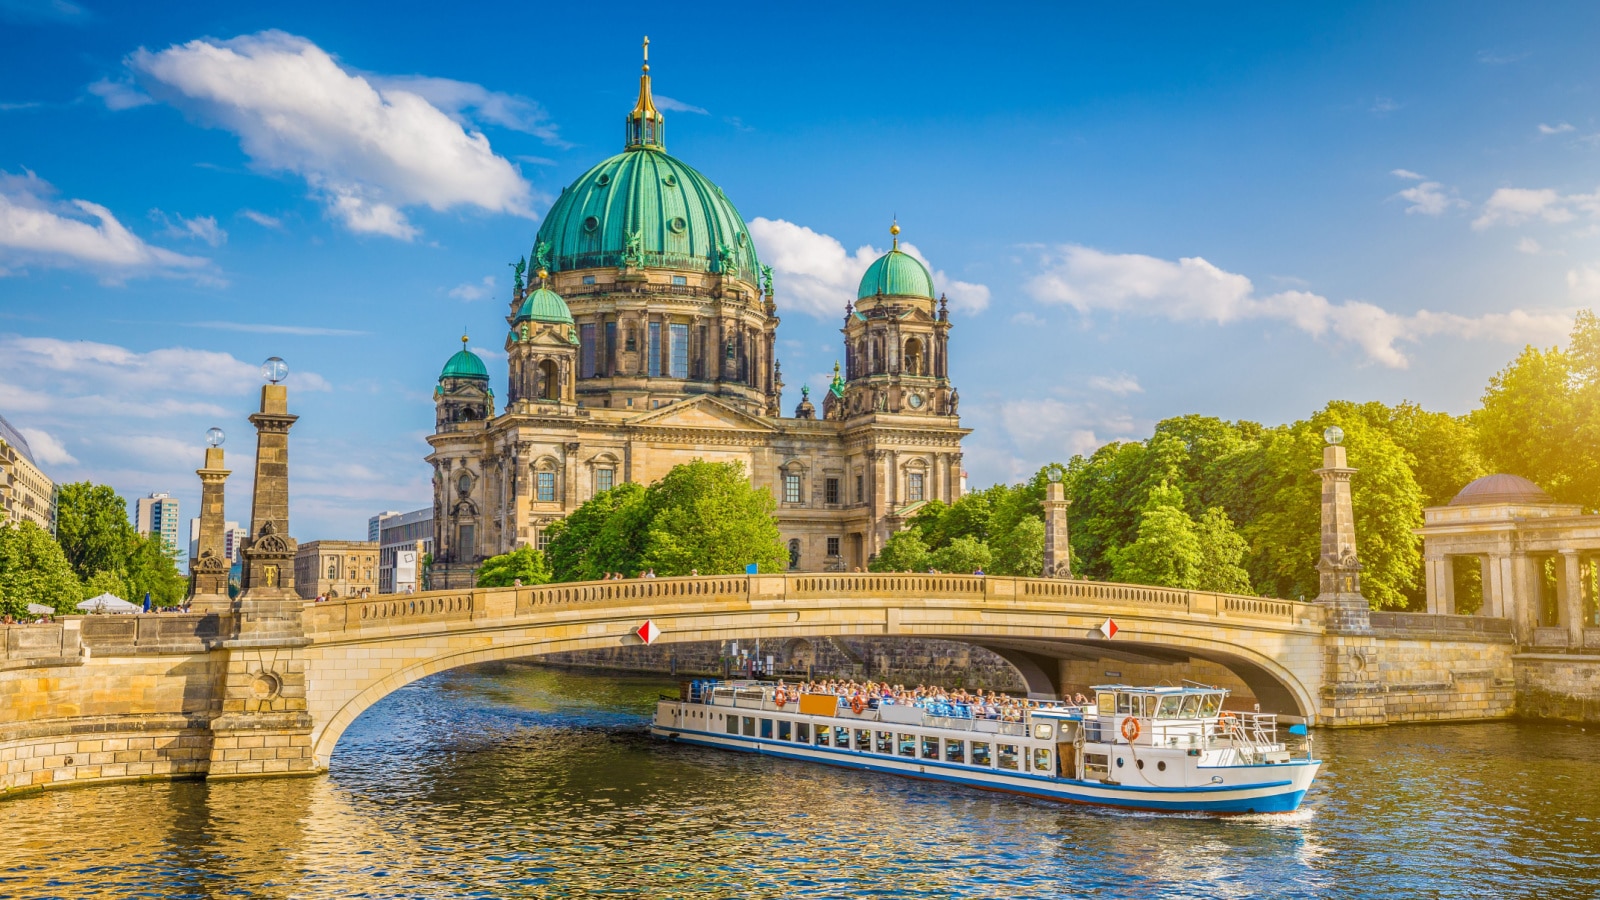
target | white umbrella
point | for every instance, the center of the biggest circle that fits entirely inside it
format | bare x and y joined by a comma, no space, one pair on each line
107,603
39,609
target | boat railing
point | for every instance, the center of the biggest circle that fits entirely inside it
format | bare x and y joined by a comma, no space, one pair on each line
1251,733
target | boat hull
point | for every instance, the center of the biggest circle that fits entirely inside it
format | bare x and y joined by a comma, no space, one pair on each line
1280,787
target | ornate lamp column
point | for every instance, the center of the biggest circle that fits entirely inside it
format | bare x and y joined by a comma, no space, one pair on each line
1339,567
208,571
1057,550
263,727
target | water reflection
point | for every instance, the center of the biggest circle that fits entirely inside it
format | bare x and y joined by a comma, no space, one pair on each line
522,782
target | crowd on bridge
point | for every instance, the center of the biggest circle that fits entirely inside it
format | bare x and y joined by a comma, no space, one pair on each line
938,701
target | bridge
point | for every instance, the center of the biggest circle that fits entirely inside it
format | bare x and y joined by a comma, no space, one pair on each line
109,698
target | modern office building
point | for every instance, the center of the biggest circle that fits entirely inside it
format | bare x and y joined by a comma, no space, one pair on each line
375,524
403,540
158,514
26,493
232,534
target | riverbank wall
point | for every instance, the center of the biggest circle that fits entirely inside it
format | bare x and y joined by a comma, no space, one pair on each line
1559,686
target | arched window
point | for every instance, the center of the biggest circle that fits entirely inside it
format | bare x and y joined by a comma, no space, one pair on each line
549,380
913,357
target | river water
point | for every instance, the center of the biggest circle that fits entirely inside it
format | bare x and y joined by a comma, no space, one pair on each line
518,781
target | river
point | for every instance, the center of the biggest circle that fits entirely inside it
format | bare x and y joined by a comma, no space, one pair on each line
519,781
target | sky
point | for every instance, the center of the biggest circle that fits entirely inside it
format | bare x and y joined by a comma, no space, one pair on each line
1136,210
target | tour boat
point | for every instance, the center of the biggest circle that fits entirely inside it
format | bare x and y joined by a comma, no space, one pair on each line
1167,749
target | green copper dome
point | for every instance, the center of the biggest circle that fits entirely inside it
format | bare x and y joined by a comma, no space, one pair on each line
896,273
545,305
672,216
465,364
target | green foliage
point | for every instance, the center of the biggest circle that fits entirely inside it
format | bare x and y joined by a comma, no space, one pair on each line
1022,551
904,551
707,517
1167,550
701,517
964,555
1222,552
92,528
525,564
149,569
105,583
34,570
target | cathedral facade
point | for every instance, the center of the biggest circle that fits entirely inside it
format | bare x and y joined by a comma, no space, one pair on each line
645,337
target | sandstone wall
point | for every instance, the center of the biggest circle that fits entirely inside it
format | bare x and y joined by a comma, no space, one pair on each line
1433,680
1558,686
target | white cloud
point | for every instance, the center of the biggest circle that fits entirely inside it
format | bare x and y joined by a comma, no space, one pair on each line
1027,320
1408,174
262,219
46,448
1121,384
1583,284
468,291
34,227
119,95
1194,290
365,150
199,228
671,105
1529,246
1561,128
1382,106
1015,436
817,275
1429,198
1514,206
469,104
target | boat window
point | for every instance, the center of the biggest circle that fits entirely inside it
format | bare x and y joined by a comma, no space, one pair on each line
885,743
980,753
1108,703
1210,707
863,740
930,747
1041,760
783,730
1191,707
733,724
1169,707
908,745
1041,731
841,737
955,751
1096,765
1149,706
749,726
1008,756
802,732
1125,704
766,728
823,735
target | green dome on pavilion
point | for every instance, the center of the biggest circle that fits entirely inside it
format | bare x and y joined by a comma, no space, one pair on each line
465,364
676,218
896,273
545,305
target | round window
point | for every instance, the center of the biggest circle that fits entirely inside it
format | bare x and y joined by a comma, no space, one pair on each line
604,179
740,239
670,180
1161,766
591,223
677,224
915,400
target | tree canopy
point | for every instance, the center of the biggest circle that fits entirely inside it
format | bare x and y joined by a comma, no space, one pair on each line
34,570
524,564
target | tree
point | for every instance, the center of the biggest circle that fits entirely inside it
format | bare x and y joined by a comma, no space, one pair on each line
106,583
525,564
92,528
34,570
904,551
1167,550
962,555
707,517
1222,552
150,570
1021,551
605,534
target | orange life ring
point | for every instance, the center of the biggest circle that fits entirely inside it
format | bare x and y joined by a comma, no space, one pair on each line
1130,729
857,704
780,697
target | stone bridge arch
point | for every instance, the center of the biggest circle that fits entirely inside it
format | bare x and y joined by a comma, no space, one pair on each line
363,650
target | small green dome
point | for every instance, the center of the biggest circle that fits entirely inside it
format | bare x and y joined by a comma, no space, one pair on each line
465,364
545,305
896,273
680,219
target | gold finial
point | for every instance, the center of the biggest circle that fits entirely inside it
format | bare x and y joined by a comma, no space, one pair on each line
542,274
894,231
644,123
463,342
647,53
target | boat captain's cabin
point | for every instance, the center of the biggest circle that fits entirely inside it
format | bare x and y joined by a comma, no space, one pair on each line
1158,702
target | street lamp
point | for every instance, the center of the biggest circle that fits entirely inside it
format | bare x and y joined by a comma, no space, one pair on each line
1333,434
274,369
215,437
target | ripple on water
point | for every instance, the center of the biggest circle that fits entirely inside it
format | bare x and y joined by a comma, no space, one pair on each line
523,782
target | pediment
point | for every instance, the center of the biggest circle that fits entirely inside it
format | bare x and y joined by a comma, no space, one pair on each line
701,412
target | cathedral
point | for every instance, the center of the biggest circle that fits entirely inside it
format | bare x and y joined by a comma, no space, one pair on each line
645,337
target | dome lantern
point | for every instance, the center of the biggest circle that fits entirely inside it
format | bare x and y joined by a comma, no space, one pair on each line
646,129
465,364
896,273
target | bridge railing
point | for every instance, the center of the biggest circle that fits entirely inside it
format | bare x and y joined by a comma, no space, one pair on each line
389,610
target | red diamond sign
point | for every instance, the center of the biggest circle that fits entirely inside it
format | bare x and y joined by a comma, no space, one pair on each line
648,632
1108,628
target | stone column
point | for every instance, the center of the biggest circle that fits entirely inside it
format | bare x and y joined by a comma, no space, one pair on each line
208,571
1057,550
1521,586
1570,572
263,727
1339,568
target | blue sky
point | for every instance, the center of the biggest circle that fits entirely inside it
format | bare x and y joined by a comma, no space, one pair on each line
1137,210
